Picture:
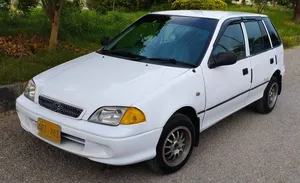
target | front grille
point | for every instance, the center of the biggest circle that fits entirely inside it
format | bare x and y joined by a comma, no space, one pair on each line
59,107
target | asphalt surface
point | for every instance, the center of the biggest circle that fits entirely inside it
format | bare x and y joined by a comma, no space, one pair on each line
245,147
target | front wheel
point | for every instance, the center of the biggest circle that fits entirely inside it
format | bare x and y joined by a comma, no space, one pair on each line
267,103
175,145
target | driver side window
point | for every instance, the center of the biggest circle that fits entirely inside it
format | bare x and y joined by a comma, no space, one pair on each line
232,40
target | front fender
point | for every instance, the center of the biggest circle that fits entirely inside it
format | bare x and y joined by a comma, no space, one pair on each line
162,103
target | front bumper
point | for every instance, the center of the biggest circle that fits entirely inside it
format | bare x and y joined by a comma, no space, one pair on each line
81,138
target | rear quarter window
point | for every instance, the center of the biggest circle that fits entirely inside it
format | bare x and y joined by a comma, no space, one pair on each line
276,41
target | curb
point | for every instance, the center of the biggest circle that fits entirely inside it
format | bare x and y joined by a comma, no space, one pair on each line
8,95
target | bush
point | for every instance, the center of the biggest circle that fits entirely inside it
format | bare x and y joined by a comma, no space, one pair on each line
71,8
12,18
199,5
102,6
26,5
289,42
4,6
229,2
160,7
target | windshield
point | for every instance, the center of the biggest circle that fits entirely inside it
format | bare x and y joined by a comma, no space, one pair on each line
157,38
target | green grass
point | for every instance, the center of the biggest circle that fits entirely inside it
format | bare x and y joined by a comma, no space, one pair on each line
15,70
86,30
281,18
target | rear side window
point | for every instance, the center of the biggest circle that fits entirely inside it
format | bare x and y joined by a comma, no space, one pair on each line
256,41
273,33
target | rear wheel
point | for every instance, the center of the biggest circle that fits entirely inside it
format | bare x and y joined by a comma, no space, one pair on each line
267,103
175,145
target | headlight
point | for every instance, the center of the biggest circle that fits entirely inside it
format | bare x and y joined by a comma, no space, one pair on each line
30,90
118,115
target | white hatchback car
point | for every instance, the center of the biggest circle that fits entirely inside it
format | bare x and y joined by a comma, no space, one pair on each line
150,91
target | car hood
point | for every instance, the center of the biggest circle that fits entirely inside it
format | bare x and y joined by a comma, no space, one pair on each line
95,80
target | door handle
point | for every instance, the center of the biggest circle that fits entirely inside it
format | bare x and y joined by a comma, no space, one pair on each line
245,71
271,60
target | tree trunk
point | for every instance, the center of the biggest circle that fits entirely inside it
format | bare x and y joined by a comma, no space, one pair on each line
54,31
243,3
12,3
114,4
297,11
273,3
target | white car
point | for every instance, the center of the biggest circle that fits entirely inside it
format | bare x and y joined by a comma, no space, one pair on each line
148,93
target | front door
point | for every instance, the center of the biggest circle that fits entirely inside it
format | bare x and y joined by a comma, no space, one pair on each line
227,87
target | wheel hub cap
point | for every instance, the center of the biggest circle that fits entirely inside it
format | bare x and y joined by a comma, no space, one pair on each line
177,146
273,95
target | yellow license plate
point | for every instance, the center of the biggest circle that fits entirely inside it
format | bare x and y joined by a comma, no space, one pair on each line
49,130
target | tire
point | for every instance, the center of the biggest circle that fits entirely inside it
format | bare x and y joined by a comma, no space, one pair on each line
170,145
263,105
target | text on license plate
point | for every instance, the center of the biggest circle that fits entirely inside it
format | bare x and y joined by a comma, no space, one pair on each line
49,130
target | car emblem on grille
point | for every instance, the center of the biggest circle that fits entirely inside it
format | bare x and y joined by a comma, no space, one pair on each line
57,106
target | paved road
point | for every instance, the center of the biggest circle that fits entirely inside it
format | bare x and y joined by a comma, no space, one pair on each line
245,147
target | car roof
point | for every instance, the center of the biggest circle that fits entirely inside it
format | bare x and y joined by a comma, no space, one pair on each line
208,13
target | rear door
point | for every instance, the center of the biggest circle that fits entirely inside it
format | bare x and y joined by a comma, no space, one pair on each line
261,56
276,44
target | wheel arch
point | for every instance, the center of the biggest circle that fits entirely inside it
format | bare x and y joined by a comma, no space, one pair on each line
278,76
191,113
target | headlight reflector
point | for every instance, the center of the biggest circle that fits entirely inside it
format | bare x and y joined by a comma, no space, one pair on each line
118,115
108,115
29,91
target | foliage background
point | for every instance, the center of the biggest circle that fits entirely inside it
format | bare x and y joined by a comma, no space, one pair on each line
81,31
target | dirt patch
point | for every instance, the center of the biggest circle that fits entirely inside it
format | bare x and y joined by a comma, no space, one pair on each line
8,96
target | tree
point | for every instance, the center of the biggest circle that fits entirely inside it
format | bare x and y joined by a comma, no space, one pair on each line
25,5
297,11
261,5
243,3
53,9
102,6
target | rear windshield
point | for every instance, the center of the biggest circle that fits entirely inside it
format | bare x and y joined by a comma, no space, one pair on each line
184,39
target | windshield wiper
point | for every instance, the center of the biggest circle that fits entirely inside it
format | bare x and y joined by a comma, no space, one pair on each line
123,53
165,60
143,58
170,61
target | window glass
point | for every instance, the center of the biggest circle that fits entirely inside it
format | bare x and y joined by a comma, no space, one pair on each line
256,42
232,40
273,33
266,40
184,39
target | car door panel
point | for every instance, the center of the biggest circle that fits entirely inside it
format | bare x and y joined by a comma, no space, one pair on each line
261,74
276,45
262,58
227,87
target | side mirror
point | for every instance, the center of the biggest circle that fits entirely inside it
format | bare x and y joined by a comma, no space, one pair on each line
222,59
105,41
